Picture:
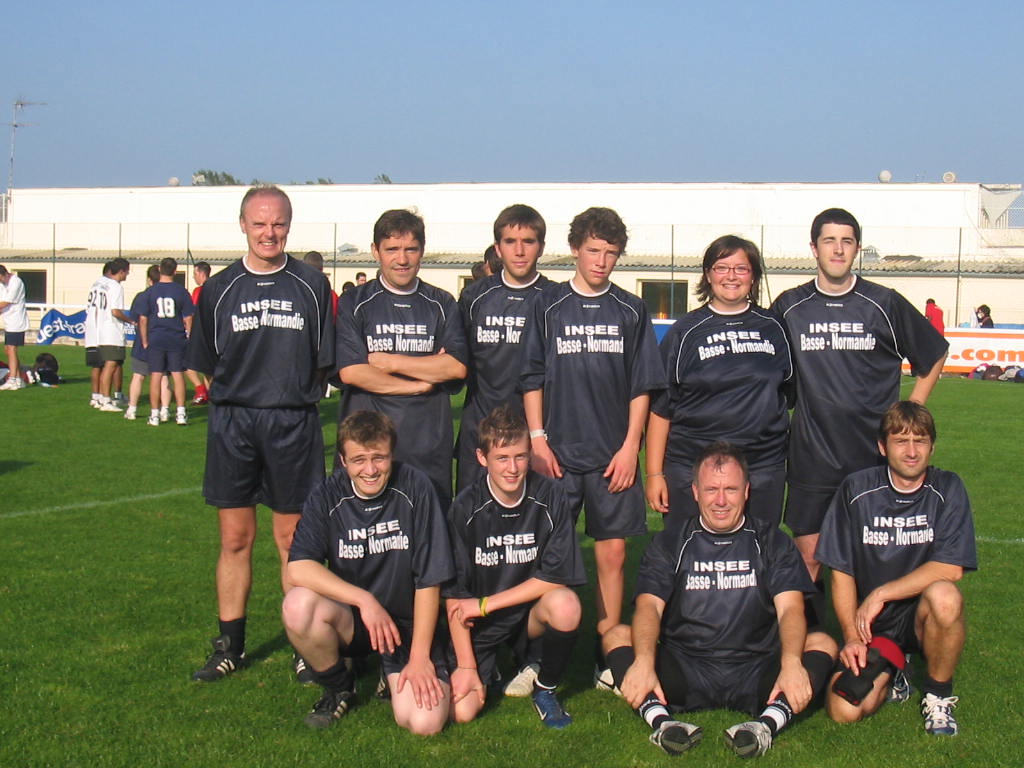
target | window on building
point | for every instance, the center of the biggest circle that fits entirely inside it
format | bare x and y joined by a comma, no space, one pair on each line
665,299
35,284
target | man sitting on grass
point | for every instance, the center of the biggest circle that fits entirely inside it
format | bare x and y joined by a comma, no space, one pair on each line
897,538
379,528
719,620
516,559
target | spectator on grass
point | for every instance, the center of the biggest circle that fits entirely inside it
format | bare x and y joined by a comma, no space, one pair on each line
105,316
360,278
935,316
140,360
164,326
897,538
15,317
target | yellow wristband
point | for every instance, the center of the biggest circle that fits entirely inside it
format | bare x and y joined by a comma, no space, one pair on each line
483,606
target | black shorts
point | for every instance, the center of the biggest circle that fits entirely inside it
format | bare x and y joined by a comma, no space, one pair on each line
394,663
166,360
140,367
92,357
111,353
897,621
271,456
510,626
806,508
698,682
14,338
767,489
608,515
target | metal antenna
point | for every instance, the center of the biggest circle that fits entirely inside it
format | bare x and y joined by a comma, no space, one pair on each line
15,125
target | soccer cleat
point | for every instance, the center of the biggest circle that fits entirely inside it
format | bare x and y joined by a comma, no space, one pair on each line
332,706
153,420
130,413
938,714
165,415
200,399
604,681
521,685
303,674
221,663
899,688
181,418
95,402
383,689
675,736
110,407
749,739
31,376
551,712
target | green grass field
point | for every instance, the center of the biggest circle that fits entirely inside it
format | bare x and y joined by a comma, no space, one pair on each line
107,606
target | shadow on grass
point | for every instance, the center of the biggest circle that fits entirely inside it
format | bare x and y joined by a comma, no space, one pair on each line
268,647
13,466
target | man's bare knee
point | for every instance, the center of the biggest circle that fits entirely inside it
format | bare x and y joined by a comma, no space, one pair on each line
943,603
616,637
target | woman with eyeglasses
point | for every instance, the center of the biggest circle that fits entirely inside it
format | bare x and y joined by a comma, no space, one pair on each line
729,371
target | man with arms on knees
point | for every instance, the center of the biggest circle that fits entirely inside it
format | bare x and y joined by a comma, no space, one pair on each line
105,315
590,364
377,525
164,326
516,559
897,539
264,333
719,620
12,309
495,312
849,337
401,350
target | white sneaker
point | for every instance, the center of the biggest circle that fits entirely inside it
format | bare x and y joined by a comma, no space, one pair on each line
110,407
181,417
12,383
938,714
604,681
521,685
129,413
95,402
165,415
749,739
153,420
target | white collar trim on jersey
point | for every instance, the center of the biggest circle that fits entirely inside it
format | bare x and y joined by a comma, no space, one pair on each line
499,501
818,287
251,271
585,294
729,314
740,524
536,277
391,289
915,489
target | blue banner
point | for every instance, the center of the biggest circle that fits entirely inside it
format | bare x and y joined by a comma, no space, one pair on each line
56,324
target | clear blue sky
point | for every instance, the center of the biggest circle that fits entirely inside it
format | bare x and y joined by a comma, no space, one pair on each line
524,91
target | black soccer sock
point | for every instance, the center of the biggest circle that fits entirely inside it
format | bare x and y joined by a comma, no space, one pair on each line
942,690
619,660
819,666
235,630
777,714
337,677
599,658
556,649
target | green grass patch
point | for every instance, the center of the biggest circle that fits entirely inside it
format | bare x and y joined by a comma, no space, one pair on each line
107,606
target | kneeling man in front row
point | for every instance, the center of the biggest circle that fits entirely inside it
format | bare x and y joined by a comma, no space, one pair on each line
898,537
517,559
379,528
719,620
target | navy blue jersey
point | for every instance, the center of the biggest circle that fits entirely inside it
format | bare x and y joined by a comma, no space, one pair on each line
727,378
497,547
390,545
138,308
372,318
848,351
719,588
495,316
877,534
167,306
267,339
592,355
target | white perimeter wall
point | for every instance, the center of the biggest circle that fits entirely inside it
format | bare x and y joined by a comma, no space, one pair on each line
928,220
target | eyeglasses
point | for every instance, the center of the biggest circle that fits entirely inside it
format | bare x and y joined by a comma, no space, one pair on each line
740,270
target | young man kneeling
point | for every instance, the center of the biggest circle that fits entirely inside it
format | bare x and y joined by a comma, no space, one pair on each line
516,559
379,528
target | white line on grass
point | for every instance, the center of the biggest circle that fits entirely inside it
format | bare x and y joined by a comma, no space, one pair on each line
992,540
102,503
